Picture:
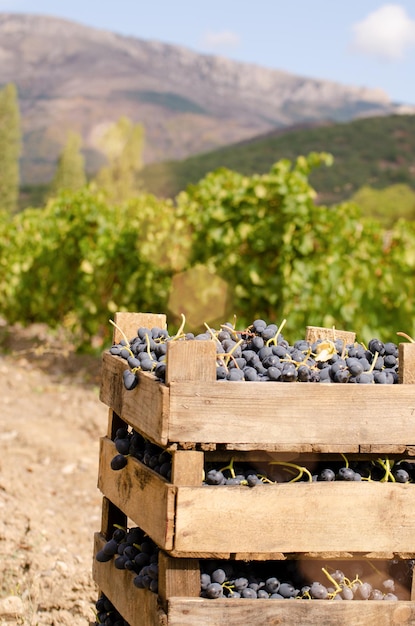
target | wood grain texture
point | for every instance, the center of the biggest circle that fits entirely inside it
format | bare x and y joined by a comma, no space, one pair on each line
129,323
198,612
191,360
292,413
407,363
313,333
145,497
178,577
284,415
296,518
144,408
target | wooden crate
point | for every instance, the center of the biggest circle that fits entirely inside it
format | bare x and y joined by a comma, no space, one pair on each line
193,407
187,518
178,603
193,414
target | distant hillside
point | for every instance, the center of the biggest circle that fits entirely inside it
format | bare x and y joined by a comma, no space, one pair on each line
377,151
70,76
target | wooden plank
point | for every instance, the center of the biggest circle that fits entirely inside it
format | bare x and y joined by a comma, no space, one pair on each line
292,413
187,468
303,448
313,333
139,607
111,516
114,423
191,611
340,517
407,363
131,322
178,577
303,416
191,360
145,407
144,496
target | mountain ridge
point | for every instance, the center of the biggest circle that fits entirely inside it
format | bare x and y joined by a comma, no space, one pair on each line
74,77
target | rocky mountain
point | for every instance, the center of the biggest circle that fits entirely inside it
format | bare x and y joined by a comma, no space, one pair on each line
71,76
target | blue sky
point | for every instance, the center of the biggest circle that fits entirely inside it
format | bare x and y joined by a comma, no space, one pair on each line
357,42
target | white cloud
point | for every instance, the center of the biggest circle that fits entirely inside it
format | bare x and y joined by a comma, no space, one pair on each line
221,39
386,33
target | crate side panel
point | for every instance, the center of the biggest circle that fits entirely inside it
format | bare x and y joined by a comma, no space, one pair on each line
139,607
336,517
146,498
188,612
292,413
145,407
129,323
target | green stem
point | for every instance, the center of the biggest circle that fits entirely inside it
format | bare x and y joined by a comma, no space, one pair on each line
229,467
181,328
406,337
331,579
274,339
301,470
124,336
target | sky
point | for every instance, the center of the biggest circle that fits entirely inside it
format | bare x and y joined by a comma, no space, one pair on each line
365,43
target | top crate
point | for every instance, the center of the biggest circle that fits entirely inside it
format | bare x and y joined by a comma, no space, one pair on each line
193,408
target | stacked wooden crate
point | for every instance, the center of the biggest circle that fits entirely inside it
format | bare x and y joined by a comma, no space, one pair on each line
199,419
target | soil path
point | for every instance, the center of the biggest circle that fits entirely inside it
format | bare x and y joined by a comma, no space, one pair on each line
50,423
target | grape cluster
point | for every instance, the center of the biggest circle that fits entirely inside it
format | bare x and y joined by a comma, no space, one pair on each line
131,549
260,353
145,352
382,470
281,581
107,614
131,443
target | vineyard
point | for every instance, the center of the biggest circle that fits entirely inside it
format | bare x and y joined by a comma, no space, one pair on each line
230,245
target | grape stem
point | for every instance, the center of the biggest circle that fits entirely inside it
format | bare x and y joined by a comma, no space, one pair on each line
181,328
301,470
274,339
388,474
229,467
331,579
124,336
410,339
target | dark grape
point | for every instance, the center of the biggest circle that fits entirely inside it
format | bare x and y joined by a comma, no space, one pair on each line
130,380
118,462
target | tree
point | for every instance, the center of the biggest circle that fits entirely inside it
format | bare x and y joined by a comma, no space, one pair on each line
123,146
10,148
70,171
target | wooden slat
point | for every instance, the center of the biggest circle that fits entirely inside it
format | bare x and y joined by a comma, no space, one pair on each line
139,607
313,333
191,360
187,468
407,363
111,516
340,517
292,413
131,322
114,422
178,577
146,498
298,416
192,611
145,407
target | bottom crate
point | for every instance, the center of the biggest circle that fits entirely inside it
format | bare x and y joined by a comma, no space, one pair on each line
141,607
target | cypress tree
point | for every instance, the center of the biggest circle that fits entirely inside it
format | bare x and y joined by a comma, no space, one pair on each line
10,148
123,146
70,170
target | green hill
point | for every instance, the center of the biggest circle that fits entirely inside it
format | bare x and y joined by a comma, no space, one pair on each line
378,151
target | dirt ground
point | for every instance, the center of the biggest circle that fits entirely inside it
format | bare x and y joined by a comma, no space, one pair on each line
50,423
